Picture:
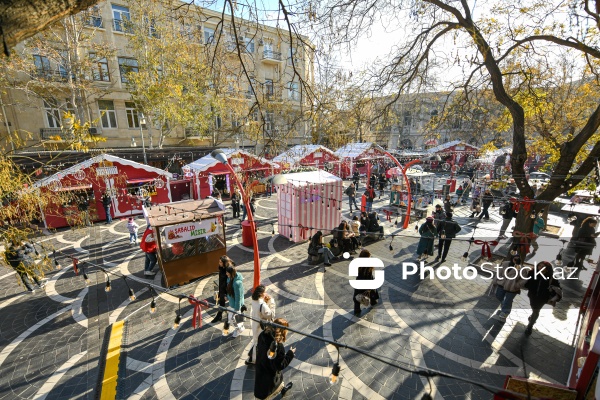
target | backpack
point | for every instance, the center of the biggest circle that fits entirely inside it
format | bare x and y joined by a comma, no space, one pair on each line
348,190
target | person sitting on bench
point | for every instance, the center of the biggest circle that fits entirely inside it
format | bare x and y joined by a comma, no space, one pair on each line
374,225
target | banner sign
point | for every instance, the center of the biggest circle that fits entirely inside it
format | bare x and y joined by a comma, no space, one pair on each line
105,171
191,230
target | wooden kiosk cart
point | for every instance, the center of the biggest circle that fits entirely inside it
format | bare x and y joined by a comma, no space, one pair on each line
190,239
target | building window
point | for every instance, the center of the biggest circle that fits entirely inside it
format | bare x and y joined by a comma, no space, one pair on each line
293,91
269,89
127,65
54,112
107,113
269,121
100,68
121,18
42,65
292,54
93,18
407,118
132,115
209,36
249,42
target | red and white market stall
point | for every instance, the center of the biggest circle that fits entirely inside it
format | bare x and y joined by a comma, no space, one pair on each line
454,153
126,182
357,156
309,202
312,155
210,173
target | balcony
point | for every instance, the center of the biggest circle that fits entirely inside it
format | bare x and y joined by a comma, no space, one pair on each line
271,57
124,26
51,75
53,133
93,21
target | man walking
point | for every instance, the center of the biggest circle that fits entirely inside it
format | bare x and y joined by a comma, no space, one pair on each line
235,203
508,212
351,192
356,178
486,200
447,231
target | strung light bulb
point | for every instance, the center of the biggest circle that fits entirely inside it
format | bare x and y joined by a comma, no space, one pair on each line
391,248
272,350
153,306
465,256
86,279
541,214
107,288
443,235
216,296
291,236
225,329
513,251
131,294
335,372
532,216
273,231
417,227
558,261
177,321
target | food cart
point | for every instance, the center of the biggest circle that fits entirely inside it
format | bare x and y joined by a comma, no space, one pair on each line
190,239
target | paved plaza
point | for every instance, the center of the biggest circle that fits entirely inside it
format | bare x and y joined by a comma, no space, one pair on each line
51,341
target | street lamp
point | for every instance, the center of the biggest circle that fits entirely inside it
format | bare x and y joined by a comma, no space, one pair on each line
142,121
220,156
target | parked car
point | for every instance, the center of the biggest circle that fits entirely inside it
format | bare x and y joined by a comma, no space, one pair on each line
538,178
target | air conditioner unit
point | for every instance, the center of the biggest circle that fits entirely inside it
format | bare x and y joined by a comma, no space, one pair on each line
94,130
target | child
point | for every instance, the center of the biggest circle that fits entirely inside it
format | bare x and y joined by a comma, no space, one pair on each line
133,228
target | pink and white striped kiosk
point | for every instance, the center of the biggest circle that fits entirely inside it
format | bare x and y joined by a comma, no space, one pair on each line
310,201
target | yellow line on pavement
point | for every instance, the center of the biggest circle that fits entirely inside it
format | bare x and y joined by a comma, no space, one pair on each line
111,367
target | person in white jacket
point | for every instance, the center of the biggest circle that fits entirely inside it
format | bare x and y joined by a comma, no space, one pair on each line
263,308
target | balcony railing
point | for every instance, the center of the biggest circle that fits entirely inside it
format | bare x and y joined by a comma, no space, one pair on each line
270,55
120,25
51,75
50,133
93,21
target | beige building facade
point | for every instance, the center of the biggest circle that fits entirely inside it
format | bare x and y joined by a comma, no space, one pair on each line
278,72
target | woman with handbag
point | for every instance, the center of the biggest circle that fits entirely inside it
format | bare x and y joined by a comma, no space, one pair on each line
428,233
508,285
361,296
235,296
542,289
263,308
271,360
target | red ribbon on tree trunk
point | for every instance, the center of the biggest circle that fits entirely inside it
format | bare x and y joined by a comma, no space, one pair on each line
486,250
527,203
303,230
75,262
524,239
198,304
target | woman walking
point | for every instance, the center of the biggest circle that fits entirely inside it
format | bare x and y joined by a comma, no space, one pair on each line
224,262
263,308
428,233
509,284
271,361
235,296
538,291
317,243
365,273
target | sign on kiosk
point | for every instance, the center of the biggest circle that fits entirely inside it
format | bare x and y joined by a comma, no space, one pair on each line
191,230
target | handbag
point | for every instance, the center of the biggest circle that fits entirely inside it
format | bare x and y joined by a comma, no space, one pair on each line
364,298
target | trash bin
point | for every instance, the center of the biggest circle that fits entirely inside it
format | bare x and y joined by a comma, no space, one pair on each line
445,189
247,234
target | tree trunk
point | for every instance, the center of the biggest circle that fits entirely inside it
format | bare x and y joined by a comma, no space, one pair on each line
21,19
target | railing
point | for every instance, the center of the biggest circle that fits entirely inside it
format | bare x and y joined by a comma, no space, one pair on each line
271,55
49,133
121,25
52,75
93,21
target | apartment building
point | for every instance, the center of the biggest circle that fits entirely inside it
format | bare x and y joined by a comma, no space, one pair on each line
276,68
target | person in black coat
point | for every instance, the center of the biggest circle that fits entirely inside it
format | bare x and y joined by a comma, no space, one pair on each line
585,241
447,231
365,274
486,200
356,178
106,204
268,376
224,262
374,225
538,291
236,198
